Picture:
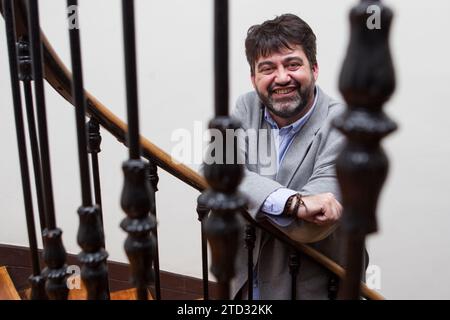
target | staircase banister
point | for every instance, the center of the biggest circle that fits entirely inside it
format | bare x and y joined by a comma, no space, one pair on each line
319,257
59,77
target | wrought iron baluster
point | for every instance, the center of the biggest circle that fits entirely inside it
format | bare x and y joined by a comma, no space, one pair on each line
37,281
135,201
222,226
54,252
90,233
153,179
250,238
202,211
25,75
93,147
366,82
294,267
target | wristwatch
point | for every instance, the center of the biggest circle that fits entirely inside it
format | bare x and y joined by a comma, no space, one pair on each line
292,204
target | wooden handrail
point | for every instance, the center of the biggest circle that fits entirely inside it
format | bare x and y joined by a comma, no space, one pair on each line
59,77
319,257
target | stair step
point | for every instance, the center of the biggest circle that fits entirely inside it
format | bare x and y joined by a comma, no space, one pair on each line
81,294
7,289
126,294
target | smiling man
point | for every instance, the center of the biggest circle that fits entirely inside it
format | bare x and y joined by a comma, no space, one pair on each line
301,197
285,83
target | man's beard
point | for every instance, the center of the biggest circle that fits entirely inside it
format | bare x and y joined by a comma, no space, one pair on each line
290,106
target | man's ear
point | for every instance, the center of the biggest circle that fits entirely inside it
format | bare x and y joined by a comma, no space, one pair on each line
315,71
252,77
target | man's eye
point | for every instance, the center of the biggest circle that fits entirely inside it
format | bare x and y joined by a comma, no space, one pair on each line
294,66
266,70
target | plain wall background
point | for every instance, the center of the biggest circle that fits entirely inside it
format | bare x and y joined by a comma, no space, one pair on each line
175,88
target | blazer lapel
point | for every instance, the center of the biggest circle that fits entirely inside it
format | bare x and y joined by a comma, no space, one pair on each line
302,141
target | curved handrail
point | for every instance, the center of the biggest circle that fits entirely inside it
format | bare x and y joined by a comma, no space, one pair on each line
59,77
319,257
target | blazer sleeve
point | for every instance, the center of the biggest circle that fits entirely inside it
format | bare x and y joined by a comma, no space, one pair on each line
324,178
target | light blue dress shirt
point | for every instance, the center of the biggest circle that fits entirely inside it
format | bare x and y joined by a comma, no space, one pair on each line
275,202
274,205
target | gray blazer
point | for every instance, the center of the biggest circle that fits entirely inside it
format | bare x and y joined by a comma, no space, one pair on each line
308,166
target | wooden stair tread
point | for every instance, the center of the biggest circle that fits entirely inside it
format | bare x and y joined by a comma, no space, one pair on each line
7,289
81,294
127,294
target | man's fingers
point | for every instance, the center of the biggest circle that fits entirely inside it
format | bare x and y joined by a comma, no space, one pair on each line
321,209
320,220
321,217
330,214
341,209
335,213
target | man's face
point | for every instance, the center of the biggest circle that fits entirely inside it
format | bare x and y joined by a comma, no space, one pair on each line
285,82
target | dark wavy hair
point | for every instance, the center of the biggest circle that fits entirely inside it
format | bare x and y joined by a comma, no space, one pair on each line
274,35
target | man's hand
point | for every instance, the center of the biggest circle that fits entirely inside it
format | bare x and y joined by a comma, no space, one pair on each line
320,209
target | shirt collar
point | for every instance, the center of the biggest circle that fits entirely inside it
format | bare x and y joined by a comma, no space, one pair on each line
297,125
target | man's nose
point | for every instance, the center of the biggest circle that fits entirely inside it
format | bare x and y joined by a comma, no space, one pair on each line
282,77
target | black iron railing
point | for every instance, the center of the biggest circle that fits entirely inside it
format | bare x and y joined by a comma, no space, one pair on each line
90,233
364,124
366,82
222,227
37,280
54,252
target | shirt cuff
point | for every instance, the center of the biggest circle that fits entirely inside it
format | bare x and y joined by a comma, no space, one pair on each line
276,201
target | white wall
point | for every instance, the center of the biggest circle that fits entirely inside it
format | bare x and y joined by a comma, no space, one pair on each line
175,87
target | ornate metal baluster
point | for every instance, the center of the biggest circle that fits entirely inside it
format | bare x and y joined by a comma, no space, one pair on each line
152,176
222,227
54,252
90,233
37,281
25,75
135,201
366,82
250,237
202,211
93,147
294,267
